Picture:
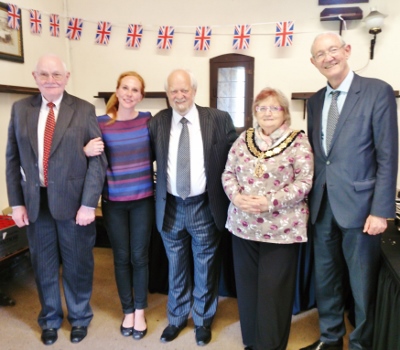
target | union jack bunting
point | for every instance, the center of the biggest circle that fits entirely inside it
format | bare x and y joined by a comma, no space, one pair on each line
103,33
165,37
74,29
14,16
202,38
134,36
54,25
241,37
36,21
284,33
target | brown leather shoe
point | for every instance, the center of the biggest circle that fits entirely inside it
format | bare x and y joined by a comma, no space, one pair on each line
319,345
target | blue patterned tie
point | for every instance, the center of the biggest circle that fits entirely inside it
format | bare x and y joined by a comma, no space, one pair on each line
333,117
183,162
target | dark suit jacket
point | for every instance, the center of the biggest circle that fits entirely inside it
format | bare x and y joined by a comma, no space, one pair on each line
74,179
218,135
360,173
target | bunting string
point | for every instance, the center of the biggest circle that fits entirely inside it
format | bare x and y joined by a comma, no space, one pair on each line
202,35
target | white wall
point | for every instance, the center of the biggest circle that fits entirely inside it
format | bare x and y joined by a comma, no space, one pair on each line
95,68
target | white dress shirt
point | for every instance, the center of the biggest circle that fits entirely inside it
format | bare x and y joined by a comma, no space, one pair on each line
197,169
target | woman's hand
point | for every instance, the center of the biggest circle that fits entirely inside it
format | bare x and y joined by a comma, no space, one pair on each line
250,204
94,147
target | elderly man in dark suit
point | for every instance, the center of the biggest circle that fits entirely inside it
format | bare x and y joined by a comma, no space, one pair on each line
53,190
191,206
355,140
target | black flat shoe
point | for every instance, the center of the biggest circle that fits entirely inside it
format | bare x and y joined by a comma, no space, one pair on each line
139,334
126,331
78,333
49,336
171,332
203,335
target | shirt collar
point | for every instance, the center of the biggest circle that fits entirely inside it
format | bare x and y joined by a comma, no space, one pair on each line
344,86
190,115
56,102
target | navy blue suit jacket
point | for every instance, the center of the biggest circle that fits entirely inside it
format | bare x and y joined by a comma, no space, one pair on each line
360,172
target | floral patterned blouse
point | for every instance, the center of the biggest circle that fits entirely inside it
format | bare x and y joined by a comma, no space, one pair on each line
285,178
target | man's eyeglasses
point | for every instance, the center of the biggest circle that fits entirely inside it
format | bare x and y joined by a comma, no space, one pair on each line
272,109
333,51
46,76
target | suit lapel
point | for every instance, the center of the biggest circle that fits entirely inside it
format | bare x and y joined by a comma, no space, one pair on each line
32,117
351,100
206,126
63,120
165,125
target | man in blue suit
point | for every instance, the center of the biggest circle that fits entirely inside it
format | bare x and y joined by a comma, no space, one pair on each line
191,224
353,192
56,200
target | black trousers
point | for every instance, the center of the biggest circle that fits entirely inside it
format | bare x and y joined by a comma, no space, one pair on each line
265,282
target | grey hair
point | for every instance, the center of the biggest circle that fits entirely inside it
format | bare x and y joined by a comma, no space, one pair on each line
343,43
192,78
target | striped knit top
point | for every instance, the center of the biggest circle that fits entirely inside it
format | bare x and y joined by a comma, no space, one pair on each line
127,147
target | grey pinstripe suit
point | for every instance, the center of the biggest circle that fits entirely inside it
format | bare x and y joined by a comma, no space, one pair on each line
74,180
194,223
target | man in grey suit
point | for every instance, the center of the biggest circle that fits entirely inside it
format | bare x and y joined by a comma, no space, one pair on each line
56,200
191,224
353,192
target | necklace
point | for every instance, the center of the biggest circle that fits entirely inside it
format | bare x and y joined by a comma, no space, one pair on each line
260,167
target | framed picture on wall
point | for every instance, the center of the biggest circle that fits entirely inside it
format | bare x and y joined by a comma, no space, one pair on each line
11,47
340,2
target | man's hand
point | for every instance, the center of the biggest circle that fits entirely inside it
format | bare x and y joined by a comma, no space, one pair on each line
20,216
85,216
374,225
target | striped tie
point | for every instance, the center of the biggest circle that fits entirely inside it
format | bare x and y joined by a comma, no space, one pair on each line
48,137
183,162
333,117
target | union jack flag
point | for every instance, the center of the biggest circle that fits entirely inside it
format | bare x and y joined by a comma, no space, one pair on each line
284,33
134,36
36,21
165,37
74,29
202,38
103,33
54,25
14,16
241,37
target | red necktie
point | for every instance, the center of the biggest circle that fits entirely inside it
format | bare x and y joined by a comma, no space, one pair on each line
48,137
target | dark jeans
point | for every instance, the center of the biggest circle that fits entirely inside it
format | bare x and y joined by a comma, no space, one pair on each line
129,225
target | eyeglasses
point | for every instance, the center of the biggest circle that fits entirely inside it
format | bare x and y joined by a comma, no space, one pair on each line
333,51
46,76
272,109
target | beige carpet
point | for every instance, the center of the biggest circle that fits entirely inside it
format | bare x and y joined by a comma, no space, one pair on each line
19,329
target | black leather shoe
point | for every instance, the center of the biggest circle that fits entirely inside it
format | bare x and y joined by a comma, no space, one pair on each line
78,333
171,332
126,331
319,345
248,348
203,335
49,336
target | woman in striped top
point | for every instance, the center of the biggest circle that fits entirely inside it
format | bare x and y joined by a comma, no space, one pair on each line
127,199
